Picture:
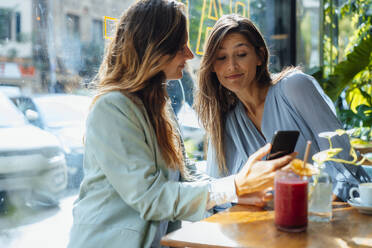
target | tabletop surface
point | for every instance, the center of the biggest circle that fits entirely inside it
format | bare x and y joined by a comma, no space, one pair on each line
248,226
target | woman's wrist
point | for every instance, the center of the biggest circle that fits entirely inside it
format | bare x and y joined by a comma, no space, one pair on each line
221,191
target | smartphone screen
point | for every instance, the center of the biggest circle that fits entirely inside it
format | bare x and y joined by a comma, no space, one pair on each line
283,143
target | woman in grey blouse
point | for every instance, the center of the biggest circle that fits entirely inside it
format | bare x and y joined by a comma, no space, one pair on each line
241,105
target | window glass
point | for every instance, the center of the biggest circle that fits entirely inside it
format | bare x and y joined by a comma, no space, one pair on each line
63,110
97,31
18,26
13,117
5,24
308,17
50,50
73,26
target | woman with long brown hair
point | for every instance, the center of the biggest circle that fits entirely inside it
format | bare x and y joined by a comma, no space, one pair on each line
134,190
241,104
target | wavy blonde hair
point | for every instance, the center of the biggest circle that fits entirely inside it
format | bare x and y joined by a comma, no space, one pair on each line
212,100
133,62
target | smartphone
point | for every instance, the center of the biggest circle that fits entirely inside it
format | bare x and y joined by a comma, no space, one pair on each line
283,143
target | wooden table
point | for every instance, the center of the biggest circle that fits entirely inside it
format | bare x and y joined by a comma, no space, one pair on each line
247,226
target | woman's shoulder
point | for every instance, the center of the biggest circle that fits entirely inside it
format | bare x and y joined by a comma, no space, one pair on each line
298,86
118,100
296,79
117,104
296,82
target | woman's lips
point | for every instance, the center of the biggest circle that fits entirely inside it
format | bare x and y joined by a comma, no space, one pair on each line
234,76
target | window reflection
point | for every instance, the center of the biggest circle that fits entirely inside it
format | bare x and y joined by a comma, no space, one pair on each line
55,47
73,26
97,31
308,33
5,24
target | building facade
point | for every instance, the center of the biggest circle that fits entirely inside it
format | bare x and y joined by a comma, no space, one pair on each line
46,44
57,45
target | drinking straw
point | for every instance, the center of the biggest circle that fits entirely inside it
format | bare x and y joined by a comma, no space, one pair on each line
308,145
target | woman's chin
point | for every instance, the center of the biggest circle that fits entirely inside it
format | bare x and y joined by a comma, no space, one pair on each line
175,77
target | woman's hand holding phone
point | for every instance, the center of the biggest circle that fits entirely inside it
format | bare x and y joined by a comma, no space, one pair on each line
258,175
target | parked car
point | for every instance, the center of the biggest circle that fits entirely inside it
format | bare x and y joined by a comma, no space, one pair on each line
31,159
10,90
64,116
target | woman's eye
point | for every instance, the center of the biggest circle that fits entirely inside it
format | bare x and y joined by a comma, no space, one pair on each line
221,58
242,54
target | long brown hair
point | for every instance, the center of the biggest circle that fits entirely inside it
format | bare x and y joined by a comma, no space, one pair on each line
145,34
212,100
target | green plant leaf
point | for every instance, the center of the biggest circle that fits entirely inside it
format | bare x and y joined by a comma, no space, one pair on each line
356,97
345,71
365,114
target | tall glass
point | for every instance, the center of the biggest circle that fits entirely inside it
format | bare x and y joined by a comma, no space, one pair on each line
290,201
320,197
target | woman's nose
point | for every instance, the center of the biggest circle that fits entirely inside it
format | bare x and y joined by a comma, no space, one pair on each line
231,64
188,53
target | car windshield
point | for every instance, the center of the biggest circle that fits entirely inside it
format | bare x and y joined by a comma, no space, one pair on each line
62,111
9,114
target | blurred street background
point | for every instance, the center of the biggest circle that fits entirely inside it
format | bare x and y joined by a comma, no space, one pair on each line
50,51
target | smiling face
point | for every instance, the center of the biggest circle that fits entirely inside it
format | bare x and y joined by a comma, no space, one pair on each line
236,63
173,69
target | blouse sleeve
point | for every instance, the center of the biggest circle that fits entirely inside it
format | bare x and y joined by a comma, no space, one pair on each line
310,102
223,194
117,137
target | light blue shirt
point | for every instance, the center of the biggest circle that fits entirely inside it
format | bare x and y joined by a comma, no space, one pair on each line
129,197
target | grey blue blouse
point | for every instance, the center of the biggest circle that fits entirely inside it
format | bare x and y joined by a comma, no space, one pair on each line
294,103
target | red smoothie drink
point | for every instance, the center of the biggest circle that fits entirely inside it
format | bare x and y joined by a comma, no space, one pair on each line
290,202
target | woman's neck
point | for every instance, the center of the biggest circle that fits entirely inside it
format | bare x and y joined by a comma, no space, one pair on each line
253,98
